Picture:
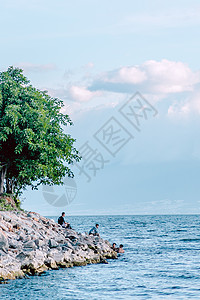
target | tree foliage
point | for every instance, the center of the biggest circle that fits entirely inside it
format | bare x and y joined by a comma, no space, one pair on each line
33,146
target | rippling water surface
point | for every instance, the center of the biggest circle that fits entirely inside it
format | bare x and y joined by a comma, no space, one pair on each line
162,261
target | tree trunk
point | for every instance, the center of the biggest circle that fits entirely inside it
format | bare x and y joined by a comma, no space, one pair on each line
3,170
9,186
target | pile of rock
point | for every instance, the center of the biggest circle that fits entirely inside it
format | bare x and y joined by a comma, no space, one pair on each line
31,244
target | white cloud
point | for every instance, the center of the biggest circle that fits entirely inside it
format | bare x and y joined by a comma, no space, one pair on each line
195,103
178,110
76,109
170,82
30,67
74,93
126,75
169,76
184,108
155,77
82,94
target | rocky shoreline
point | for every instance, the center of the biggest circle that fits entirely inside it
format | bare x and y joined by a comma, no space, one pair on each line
31,244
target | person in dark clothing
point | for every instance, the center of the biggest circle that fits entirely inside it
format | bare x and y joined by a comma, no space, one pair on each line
62,222
61,219
94,230
114,247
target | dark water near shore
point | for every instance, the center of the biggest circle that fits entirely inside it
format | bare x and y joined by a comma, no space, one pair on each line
162,261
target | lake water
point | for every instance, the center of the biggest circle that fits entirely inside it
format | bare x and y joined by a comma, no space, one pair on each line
161,261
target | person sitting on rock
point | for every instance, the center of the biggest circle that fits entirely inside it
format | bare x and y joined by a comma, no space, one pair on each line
120,249
62,222
94,230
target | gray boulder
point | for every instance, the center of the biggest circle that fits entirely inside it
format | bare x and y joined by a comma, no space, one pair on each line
3,241
53,244
30,244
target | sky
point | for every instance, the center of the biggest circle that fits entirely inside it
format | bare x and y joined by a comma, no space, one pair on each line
129,75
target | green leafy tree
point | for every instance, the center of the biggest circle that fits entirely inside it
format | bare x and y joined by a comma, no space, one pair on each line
34,149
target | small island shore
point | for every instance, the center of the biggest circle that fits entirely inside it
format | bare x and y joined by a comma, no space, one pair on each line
31,244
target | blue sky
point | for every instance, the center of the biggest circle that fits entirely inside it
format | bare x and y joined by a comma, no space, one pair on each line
95,55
